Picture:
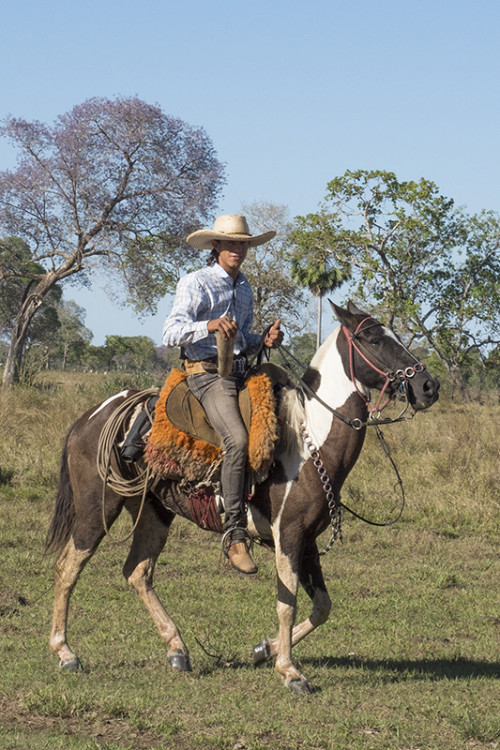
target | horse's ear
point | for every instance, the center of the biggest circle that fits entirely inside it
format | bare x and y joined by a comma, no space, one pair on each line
346,315
342,315
354,310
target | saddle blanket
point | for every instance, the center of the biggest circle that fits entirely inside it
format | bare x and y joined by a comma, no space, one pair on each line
182,443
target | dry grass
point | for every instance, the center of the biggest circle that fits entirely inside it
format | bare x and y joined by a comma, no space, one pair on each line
449,460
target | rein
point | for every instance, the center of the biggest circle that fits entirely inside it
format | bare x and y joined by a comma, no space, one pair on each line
335,505
357,424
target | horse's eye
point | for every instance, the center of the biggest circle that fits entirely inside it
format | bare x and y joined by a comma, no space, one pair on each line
376,342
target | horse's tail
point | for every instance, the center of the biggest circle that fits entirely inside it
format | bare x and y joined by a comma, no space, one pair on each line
63,519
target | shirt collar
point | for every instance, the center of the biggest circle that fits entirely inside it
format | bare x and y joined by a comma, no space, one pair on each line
219,271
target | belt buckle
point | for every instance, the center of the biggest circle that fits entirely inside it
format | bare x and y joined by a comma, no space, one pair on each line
239,366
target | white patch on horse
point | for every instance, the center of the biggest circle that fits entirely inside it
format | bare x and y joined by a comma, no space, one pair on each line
108,401
276,525
334,389
290,451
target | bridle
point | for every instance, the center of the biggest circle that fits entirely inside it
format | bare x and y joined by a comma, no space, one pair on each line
374,419
390,377
334,503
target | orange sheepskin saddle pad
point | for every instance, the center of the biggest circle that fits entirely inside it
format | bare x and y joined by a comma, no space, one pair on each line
183,444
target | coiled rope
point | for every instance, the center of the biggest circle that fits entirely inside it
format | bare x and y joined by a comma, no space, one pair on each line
107,448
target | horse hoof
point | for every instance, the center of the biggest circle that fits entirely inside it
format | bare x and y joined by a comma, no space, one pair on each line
299,687
71,665
261,652
180,661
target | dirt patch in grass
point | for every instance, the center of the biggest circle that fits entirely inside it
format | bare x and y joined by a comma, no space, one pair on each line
105,732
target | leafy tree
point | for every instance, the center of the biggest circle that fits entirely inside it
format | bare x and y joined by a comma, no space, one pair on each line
267,269
492,368
73,335
18,274
43,332
465,298
131,352
94,358
15,285
303,347
88,189
414,257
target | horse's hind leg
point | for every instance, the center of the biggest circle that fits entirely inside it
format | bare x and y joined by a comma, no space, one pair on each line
76,530
149,539
312,581
67,569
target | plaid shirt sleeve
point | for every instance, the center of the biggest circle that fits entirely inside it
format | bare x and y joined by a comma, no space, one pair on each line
183,326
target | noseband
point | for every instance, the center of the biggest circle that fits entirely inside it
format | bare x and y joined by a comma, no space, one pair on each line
390,377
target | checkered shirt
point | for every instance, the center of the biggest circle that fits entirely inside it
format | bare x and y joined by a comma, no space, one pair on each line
205,295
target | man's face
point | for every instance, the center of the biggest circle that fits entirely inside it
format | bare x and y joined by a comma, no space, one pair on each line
232,253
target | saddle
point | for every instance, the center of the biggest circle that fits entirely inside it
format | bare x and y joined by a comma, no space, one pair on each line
184,444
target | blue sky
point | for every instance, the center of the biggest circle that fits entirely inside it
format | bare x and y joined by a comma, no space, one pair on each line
291,93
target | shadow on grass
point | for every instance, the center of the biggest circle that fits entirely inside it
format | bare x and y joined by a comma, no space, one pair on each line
420,669
390,670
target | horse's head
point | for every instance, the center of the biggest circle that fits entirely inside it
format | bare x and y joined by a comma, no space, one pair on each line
374,355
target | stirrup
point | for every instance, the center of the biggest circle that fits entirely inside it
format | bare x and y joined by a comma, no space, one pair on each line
226,540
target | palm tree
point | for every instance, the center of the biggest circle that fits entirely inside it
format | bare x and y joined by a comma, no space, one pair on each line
320,277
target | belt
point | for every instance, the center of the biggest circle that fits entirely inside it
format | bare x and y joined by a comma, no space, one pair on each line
195,366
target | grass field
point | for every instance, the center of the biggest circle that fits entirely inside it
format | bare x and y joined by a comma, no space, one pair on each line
408,660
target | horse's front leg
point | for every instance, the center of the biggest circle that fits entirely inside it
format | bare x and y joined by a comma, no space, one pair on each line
288,580
149,539
311,579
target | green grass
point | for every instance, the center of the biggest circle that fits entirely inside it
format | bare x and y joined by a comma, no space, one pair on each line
408,659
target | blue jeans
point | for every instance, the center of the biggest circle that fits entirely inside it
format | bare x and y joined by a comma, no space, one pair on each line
219,398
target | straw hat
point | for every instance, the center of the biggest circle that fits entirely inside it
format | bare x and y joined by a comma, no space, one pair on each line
227,227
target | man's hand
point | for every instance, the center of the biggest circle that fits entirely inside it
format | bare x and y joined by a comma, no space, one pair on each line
274,336
227,327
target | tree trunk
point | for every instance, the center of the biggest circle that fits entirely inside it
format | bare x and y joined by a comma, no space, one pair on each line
15,355
318,331
17,348
65,355
459,384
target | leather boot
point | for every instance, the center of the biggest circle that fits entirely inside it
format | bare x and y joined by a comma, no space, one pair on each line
240,559
133,446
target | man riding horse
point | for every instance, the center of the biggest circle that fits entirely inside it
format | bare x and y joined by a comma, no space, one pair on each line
215,300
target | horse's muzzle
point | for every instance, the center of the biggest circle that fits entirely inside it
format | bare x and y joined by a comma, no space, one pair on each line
423,391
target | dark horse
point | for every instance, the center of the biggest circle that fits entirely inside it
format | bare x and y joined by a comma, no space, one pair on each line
323,427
